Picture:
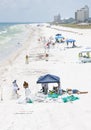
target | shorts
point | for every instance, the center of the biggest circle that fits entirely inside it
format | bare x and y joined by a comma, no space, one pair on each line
75,91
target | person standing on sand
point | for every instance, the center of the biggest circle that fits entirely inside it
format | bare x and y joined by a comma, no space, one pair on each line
1,89
27,59
1,93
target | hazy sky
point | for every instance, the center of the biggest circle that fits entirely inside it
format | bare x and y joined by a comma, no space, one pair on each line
39,10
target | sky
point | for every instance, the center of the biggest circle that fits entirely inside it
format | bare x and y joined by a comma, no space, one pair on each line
39,10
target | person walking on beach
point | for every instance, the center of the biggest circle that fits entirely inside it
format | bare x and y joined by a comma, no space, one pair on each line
27,59
15,89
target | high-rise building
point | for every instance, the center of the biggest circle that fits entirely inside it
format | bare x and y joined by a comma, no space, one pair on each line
57,19
82,15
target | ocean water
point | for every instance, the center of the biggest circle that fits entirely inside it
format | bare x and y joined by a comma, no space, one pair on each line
12,37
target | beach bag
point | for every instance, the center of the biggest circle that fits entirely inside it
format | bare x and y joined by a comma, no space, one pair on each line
54,95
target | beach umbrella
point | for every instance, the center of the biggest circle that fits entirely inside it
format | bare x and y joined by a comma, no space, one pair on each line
48,78
58,34
58,37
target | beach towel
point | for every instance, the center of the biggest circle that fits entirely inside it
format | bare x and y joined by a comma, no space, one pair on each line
69,98
53,95
29,101
23,100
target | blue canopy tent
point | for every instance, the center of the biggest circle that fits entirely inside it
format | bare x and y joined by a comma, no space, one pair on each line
71,41
48,78
58,34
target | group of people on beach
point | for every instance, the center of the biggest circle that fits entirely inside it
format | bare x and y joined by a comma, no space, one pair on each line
57,90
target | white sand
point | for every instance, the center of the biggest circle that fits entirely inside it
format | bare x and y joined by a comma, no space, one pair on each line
54,115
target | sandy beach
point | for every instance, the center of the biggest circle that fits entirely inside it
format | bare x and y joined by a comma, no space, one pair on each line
63,62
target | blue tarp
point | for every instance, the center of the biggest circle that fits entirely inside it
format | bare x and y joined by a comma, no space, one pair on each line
70,40
48,78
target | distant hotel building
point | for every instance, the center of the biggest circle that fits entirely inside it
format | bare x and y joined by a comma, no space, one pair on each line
82,15
57,19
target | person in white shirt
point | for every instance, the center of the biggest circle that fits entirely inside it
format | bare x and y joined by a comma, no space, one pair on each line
15,89
27,92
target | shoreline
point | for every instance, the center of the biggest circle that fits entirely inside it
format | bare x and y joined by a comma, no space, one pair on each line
13,56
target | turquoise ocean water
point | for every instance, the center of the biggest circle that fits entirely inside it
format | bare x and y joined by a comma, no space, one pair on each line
12,37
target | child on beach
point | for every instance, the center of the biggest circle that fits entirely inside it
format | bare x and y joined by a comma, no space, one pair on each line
27,92
15,89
